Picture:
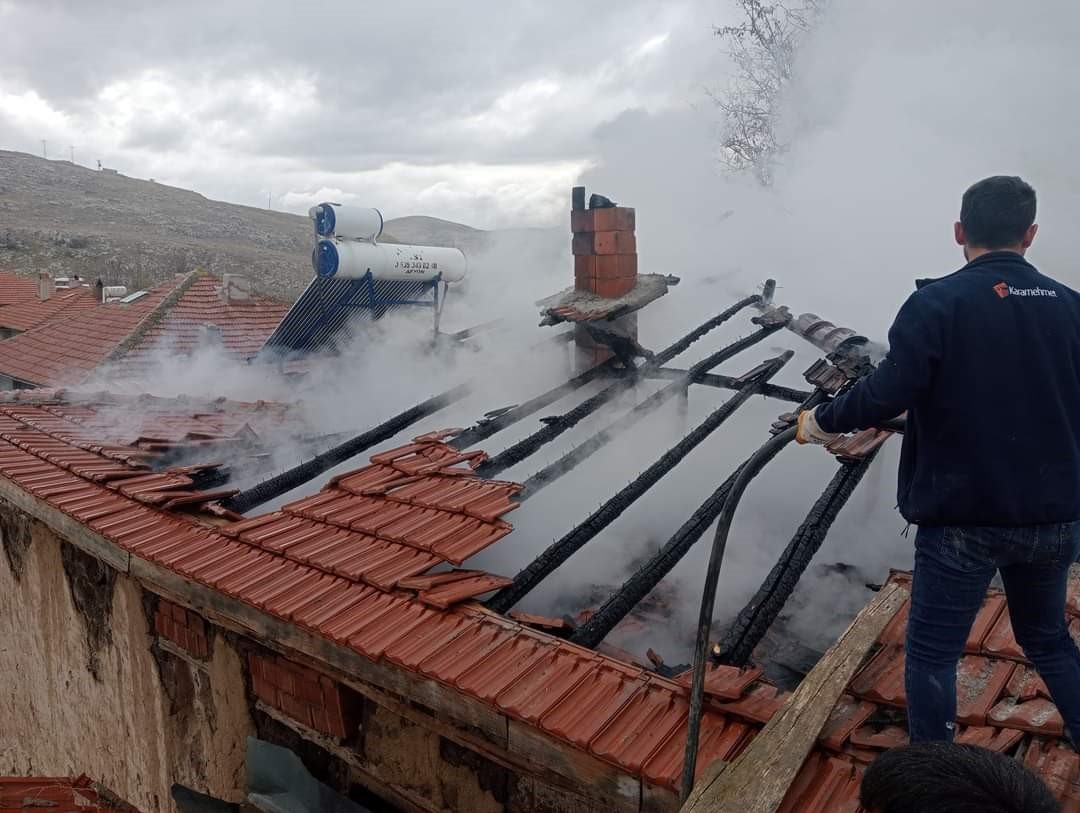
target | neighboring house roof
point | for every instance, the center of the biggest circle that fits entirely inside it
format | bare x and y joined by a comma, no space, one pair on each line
66,351
243,326
31,313
14,288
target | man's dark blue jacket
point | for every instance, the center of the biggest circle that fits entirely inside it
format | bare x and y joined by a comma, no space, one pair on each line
986,362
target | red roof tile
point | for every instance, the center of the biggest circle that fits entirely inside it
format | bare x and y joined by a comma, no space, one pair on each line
70,335
243,327
57,795
14,288
32,312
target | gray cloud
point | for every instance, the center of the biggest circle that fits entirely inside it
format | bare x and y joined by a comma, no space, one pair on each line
243,98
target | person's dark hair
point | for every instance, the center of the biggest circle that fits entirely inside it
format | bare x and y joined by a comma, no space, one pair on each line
997,211
943,777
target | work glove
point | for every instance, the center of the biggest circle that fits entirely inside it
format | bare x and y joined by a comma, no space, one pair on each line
810,431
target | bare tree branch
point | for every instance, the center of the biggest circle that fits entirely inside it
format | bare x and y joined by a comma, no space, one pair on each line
762,48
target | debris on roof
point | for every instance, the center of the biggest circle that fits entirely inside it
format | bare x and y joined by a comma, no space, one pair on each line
572,305
58,795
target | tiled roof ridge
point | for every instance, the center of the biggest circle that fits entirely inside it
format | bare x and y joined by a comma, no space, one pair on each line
159,312
74,395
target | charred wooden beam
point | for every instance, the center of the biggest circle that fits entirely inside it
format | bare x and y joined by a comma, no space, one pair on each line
754,620
727,382
484,430
584,450
548,561
642,582
527,446
298,475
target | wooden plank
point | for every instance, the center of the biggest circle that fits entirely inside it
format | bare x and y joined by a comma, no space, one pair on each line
758,780
68,529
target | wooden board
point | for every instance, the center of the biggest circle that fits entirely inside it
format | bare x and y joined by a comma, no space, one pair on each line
758,780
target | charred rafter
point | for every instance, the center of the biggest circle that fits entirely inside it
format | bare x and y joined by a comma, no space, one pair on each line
548,561
527,446
584,450
727,382
754,620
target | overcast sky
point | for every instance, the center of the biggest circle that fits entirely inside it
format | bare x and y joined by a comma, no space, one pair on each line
483,112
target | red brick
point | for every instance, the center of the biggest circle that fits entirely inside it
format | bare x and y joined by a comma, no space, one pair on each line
320,722
625,218
625,242
257,666
179,613
264,690
589,243
200,646
161,623
295,708
195,621
590,220
335,713
613,288
309,691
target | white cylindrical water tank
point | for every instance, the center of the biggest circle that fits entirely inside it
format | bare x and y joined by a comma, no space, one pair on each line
343,258
347,222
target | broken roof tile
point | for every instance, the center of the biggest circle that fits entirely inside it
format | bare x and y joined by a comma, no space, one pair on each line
1039,716
1025,684
450,593
847,715
881,679
724,682
979,684
1000,740
879,737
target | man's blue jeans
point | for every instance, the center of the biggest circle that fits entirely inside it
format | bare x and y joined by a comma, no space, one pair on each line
953,568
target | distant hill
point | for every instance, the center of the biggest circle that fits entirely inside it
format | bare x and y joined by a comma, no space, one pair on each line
70,219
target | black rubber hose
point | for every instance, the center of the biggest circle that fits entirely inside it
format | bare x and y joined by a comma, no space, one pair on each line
558,552
527,446
749,471
755,619
298,475
587,448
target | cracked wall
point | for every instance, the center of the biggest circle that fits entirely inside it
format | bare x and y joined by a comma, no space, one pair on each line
87,690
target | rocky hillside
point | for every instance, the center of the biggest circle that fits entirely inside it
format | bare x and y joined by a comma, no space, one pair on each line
69,219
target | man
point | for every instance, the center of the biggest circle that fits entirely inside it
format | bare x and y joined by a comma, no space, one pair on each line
986,363
938,777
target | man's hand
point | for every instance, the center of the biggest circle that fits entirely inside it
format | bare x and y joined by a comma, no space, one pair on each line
810,432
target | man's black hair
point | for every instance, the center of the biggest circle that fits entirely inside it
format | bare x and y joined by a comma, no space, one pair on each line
943,777
997,211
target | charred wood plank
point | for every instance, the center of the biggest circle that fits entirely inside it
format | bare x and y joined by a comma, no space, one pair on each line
527,446
758,780
548,561
584,450
298,475
727,382
754,620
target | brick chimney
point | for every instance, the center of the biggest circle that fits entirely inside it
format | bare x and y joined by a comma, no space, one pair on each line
235,288
46,285
605,264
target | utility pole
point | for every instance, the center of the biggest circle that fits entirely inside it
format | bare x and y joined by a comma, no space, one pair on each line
269,198
72,154
44,149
